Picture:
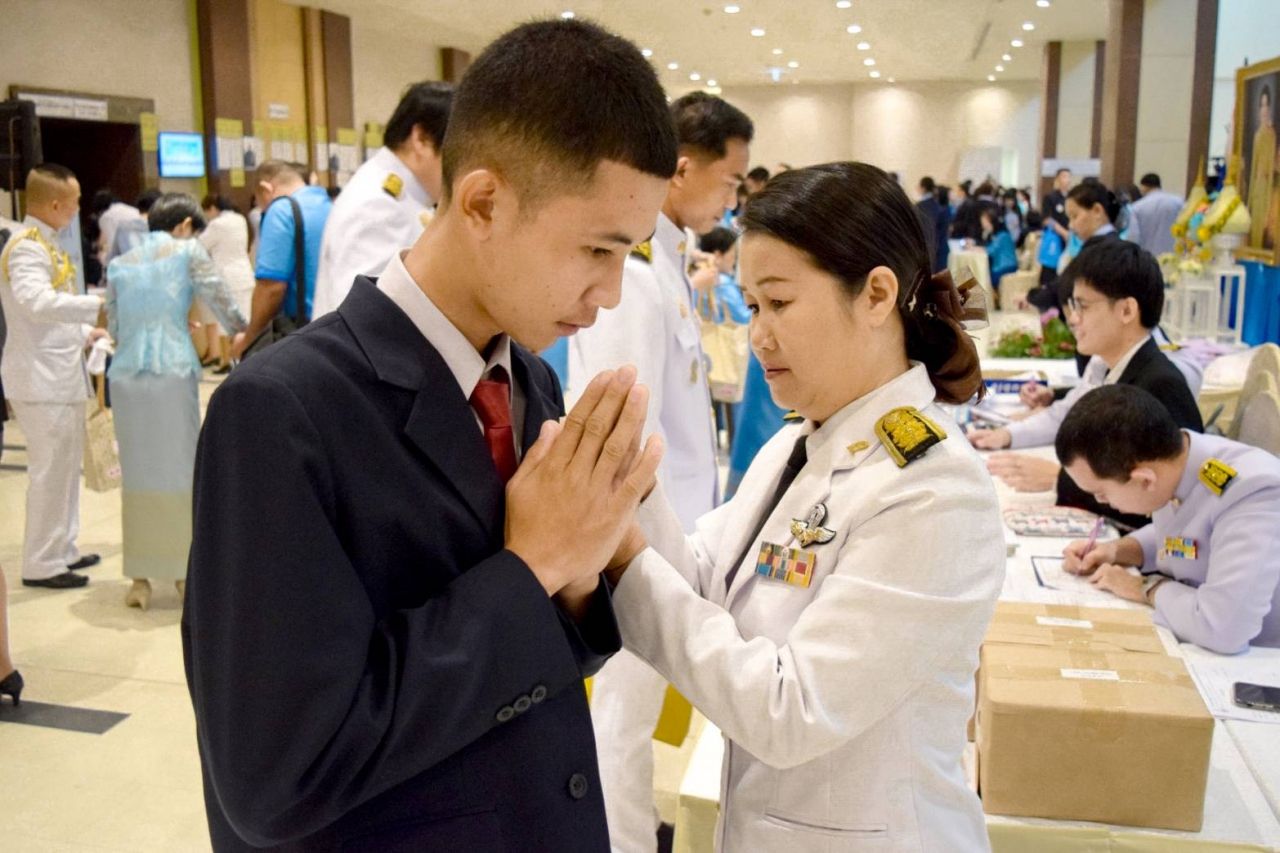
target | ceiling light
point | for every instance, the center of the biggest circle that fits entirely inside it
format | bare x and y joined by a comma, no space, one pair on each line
777,51
1043,4
732,10
673,66
853,29
875,75
843,4
999,67
793,64
864,45
758,32
646,53
1028,26
868,62
891,80
1016,43
567,14
695,76
712,84
991,78
1008,57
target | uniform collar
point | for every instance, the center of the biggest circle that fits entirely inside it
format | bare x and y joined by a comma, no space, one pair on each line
466,364
46,230
669,239
848,437
1197,454
389,160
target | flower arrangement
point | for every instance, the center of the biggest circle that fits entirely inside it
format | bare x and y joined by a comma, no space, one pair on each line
1174,267
1055,340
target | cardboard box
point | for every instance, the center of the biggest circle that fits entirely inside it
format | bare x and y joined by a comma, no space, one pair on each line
1073,734
1070,627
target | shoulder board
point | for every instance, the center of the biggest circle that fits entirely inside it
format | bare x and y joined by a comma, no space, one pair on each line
1217,475
15,239
907,434
1170,347
393,185
644,252
792,417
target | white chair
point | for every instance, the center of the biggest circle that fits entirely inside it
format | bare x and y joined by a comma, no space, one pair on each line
1015,286
1260,421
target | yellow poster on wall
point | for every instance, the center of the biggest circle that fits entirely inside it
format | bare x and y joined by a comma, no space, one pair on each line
237,178
150,126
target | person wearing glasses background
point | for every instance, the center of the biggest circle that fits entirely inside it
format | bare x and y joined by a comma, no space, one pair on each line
1116,297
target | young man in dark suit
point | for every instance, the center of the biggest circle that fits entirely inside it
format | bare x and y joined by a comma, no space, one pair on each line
1115,301
385,647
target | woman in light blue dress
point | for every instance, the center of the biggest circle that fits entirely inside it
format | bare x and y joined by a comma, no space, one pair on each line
155,376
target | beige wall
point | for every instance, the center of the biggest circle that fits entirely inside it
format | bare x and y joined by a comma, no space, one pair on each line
1164,92
915,129
384,62
1075,100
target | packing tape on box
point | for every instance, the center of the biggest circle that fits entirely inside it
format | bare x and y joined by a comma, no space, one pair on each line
1098,682
1069,619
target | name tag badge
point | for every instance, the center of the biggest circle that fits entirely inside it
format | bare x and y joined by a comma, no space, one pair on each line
1181,548
790,565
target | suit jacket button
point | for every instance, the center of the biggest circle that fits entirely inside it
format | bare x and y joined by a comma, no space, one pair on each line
538,694
578,786
506,714
522,704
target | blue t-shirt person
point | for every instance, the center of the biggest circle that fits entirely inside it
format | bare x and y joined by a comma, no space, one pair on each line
276,249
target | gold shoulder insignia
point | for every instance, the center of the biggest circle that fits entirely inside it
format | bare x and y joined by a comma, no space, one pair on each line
857,447
1170,347
644,252
907,434
792,417
393,185
1216,475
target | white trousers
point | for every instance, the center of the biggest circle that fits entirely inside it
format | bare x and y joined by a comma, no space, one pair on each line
55,449
626,701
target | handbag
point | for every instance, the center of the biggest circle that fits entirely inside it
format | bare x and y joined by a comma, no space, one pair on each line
101,455
281,325
727,347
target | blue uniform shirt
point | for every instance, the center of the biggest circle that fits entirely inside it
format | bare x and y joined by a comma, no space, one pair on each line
1220,549
275,245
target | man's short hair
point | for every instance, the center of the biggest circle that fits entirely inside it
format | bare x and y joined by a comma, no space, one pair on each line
927,184
717,240
1150,179
759,173
1059,173
102,199
1119,269
705,124
270,170
47,182
148,197
1116,428
544,104
424,105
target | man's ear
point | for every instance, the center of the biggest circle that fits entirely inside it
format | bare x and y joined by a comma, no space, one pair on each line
682,170
1144,476
475,200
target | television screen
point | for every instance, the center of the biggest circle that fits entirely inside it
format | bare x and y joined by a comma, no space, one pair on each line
181,155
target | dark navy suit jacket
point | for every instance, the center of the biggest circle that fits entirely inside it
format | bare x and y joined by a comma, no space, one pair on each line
370,669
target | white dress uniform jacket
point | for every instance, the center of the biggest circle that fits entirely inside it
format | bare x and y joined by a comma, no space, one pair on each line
1219,542
844,703
380,211
44,352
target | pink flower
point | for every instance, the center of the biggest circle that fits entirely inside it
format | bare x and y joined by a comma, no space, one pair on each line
1051,314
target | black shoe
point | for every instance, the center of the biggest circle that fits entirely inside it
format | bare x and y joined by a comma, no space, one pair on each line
85,562
66,580
12,687
224,370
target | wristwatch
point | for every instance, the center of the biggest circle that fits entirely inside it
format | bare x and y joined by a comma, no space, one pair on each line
1149,585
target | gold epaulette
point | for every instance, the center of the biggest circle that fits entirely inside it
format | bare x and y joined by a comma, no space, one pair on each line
907,434
792,417
644,252
1170,347
393,185
1216,475
63,274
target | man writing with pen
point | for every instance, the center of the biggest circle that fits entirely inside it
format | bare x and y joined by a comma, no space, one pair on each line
1207,560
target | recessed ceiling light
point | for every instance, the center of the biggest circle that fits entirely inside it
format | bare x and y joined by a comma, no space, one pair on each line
646,53
864,45
695,76
1016,43
673,66
793,64
1043,4
1028,26
758,32
843,4
991,78
712,84
1008,57
999,67
777,51
891,80
732,10
853,29
868,62
566,14
875,75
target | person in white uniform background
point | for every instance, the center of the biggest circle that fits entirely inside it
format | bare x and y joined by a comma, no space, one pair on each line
387,202
45,381
656,328
828,618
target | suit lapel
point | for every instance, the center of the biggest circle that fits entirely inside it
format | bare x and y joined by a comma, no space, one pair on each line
541,401
1139,364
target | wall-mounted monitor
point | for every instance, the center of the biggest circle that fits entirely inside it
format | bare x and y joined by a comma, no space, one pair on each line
181,155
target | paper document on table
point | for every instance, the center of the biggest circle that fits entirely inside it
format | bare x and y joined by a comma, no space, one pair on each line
1216,676
1050,574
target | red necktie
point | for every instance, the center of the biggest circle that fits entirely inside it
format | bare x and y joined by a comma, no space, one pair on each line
492,402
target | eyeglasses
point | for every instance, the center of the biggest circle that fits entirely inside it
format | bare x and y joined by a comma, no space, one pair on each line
1079,306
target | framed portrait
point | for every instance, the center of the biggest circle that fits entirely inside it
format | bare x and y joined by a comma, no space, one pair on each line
1256,121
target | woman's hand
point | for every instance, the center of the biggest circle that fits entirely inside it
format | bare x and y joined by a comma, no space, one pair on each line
990,439
1033,395
1024,473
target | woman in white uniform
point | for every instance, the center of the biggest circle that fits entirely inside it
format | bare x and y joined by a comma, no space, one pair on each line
828,618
